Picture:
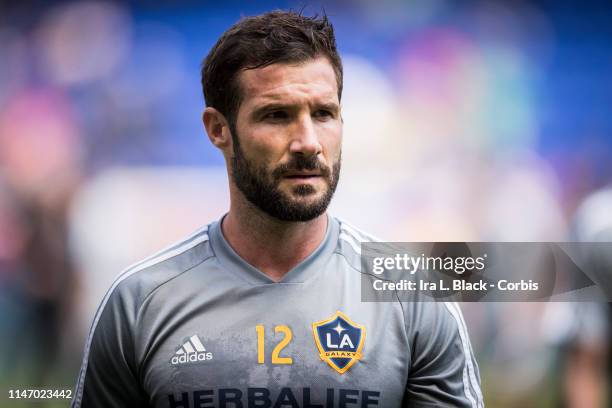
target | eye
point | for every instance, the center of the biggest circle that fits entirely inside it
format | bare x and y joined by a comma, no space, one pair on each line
276,115
323,114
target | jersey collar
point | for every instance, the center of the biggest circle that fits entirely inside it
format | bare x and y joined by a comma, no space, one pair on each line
315,262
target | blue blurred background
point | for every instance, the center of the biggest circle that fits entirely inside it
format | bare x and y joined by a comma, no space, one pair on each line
478,120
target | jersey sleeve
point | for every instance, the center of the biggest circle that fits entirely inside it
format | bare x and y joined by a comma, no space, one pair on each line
108,376
443,370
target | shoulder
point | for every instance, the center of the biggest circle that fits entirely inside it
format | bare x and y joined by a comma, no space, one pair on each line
437,319
139,280
354,234
350,239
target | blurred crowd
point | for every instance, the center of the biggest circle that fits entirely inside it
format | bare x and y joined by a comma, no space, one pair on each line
471,121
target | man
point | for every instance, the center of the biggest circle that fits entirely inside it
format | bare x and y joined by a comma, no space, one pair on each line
587,357
262,308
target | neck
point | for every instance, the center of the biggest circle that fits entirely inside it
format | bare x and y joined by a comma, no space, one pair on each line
272,246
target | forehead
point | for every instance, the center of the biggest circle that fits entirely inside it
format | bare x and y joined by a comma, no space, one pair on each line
285,82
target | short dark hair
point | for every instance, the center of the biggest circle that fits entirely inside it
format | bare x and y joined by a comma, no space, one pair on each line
255,42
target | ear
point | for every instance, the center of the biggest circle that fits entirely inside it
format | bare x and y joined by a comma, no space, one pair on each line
217,128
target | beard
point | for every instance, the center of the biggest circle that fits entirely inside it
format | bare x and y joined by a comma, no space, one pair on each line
261,186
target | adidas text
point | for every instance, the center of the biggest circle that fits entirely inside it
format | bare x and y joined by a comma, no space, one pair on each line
192,357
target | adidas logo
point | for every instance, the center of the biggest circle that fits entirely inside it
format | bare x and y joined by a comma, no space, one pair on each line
191,352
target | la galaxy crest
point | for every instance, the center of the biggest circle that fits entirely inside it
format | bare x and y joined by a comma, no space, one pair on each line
339,340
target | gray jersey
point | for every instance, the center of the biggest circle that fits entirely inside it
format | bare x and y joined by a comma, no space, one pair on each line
197,326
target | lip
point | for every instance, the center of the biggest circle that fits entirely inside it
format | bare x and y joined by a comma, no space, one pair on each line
302,175
302,178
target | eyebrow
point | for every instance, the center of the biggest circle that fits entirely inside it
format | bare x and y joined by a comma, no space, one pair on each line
268,107
330,106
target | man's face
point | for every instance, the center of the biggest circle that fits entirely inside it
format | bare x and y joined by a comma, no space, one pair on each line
287,139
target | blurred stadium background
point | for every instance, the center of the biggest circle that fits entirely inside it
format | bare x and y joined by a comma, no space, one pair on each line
475,121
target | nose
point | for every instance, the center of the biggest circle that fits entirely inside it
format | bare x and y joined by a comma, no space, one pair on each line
304,138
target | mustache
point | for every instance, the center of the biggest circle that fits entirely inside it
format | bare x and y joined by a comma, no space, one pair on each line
301,163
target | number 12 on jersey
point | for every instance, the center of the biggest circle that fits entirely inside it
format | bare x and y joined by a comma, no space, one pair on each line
276,359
